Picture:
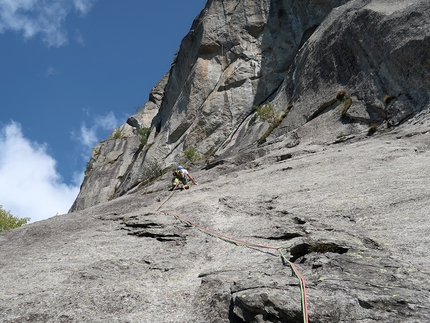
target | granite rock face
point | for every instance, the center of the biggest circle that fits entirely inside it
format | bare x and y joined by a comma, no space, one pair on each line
330,69
376,52
352,216
329,172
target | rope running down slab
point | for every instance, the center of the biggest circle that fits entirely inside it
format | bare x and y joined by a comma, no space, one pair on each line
166,199
304,303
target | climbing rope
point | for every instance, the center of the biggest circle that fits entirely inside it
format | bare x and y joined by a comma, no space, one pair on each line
304,303
302,286
166,199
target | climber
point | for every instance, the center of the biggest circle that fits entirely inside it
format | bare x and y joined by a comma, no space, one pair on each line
180,178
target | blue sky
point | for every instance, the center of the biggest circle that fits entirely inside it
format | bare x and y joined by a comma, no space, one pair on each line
70,72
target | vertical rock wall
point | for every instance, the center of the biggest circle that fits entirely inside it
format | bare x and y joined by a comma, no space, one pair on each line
331,68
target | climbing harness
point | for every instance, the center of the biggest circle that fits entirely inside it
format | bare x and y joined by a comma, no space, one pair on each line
304,303
178,174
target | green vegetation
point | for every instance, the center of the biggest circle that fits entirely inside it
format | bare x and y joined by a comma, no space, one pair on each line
151,171
117,134
144,133
372,129
191,155
340,95
267,113
89,167
347,101
8,221
97,151
388,98
346,105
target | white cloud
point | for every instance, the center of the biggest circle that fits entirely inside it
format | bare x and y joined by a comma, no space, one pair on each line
44,17
88,136
107,122
29,183
84,6
79,38
50,71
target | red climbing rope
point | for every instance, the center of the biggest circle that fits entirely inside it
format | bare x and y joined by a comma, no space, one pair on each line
165,200
304,302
